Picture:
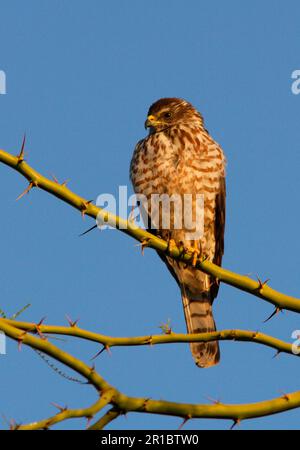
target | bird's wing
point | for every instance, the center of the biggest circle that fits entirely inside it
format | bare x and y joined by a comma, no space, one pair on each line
219,231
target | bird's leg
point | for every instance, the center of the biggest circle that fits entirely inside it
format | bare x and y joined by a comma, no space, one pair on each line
194,251
171,245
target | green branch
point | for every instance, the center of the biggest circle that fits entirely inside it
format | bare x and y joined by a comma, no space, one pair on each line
23,337
61,191
121,403
108,417
109,341
124,403
66,413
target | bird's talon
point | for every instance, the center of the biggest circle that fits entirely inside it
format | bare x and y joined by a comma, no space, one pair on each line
195,257
195,252
171,246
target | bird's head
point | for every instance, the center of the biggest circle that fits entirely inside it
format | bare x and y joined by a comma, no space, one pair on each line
168,112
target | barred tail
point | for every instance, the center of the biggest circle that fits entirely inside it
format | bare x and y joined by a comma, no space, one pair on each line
199,319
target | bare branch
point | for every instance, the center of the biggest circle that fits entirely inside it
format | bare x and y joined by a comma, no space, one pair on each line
244,283
108,417
65,414
109,341
22,332
127,404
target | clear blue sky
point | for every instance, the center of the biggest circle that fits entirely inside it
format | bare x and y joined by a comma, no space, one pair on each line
80,78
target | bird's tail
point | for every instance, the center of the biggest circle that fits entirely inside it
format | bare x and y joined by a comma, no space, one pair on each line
199,319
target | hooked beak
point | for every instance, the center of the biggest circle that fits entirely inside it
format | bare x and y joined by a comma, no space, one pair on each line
151,122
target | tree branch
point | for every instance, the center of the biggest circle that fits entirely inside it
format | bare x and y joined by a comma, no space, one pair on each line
23,337
121,403
65,414
124,403
109,341
108,417
61,191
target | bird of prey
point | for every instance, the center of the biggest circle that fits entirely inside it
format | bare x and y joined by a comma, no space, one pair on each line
180,157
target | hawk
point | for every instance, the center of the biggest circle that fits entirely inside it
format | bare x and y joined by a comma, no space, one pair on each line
180,157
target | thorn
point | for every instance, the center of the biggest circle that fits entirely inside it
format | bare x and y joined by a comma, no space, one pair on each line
89,419
13,425
71,323
166,327
20,340
47,425
107,348
41,321
235,423
41,335
29,187
22,153
276,354
233,335
37,327
145,403
285,397
213,401
187,418
60,408
149,340
98,353
261,284
57,182
84,207
54,178
90,229
143,244
276,311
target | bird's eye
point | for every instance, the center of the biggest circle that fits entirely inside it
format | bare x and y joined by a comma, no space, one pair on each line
167,115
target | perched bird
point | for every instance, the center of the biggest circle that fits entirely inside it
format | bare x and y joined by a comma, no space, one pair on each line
180,157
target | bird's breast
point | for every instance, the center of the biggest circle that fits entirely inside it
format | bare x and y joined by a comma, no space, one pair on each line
177,163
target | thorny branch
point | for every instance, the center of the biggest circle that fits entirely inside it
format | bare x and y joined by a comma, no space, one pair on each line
123,404
34,335
86,207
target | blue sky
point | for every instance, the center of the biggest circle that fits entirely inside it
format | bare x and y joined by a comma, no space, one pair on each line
80,78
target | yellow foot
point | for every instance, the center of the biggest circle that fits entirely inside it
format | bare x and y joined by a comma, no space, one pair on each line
195,252
171,245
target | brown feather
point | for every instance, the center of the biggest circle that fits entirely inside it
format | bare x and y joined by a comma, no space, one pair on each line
180,157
